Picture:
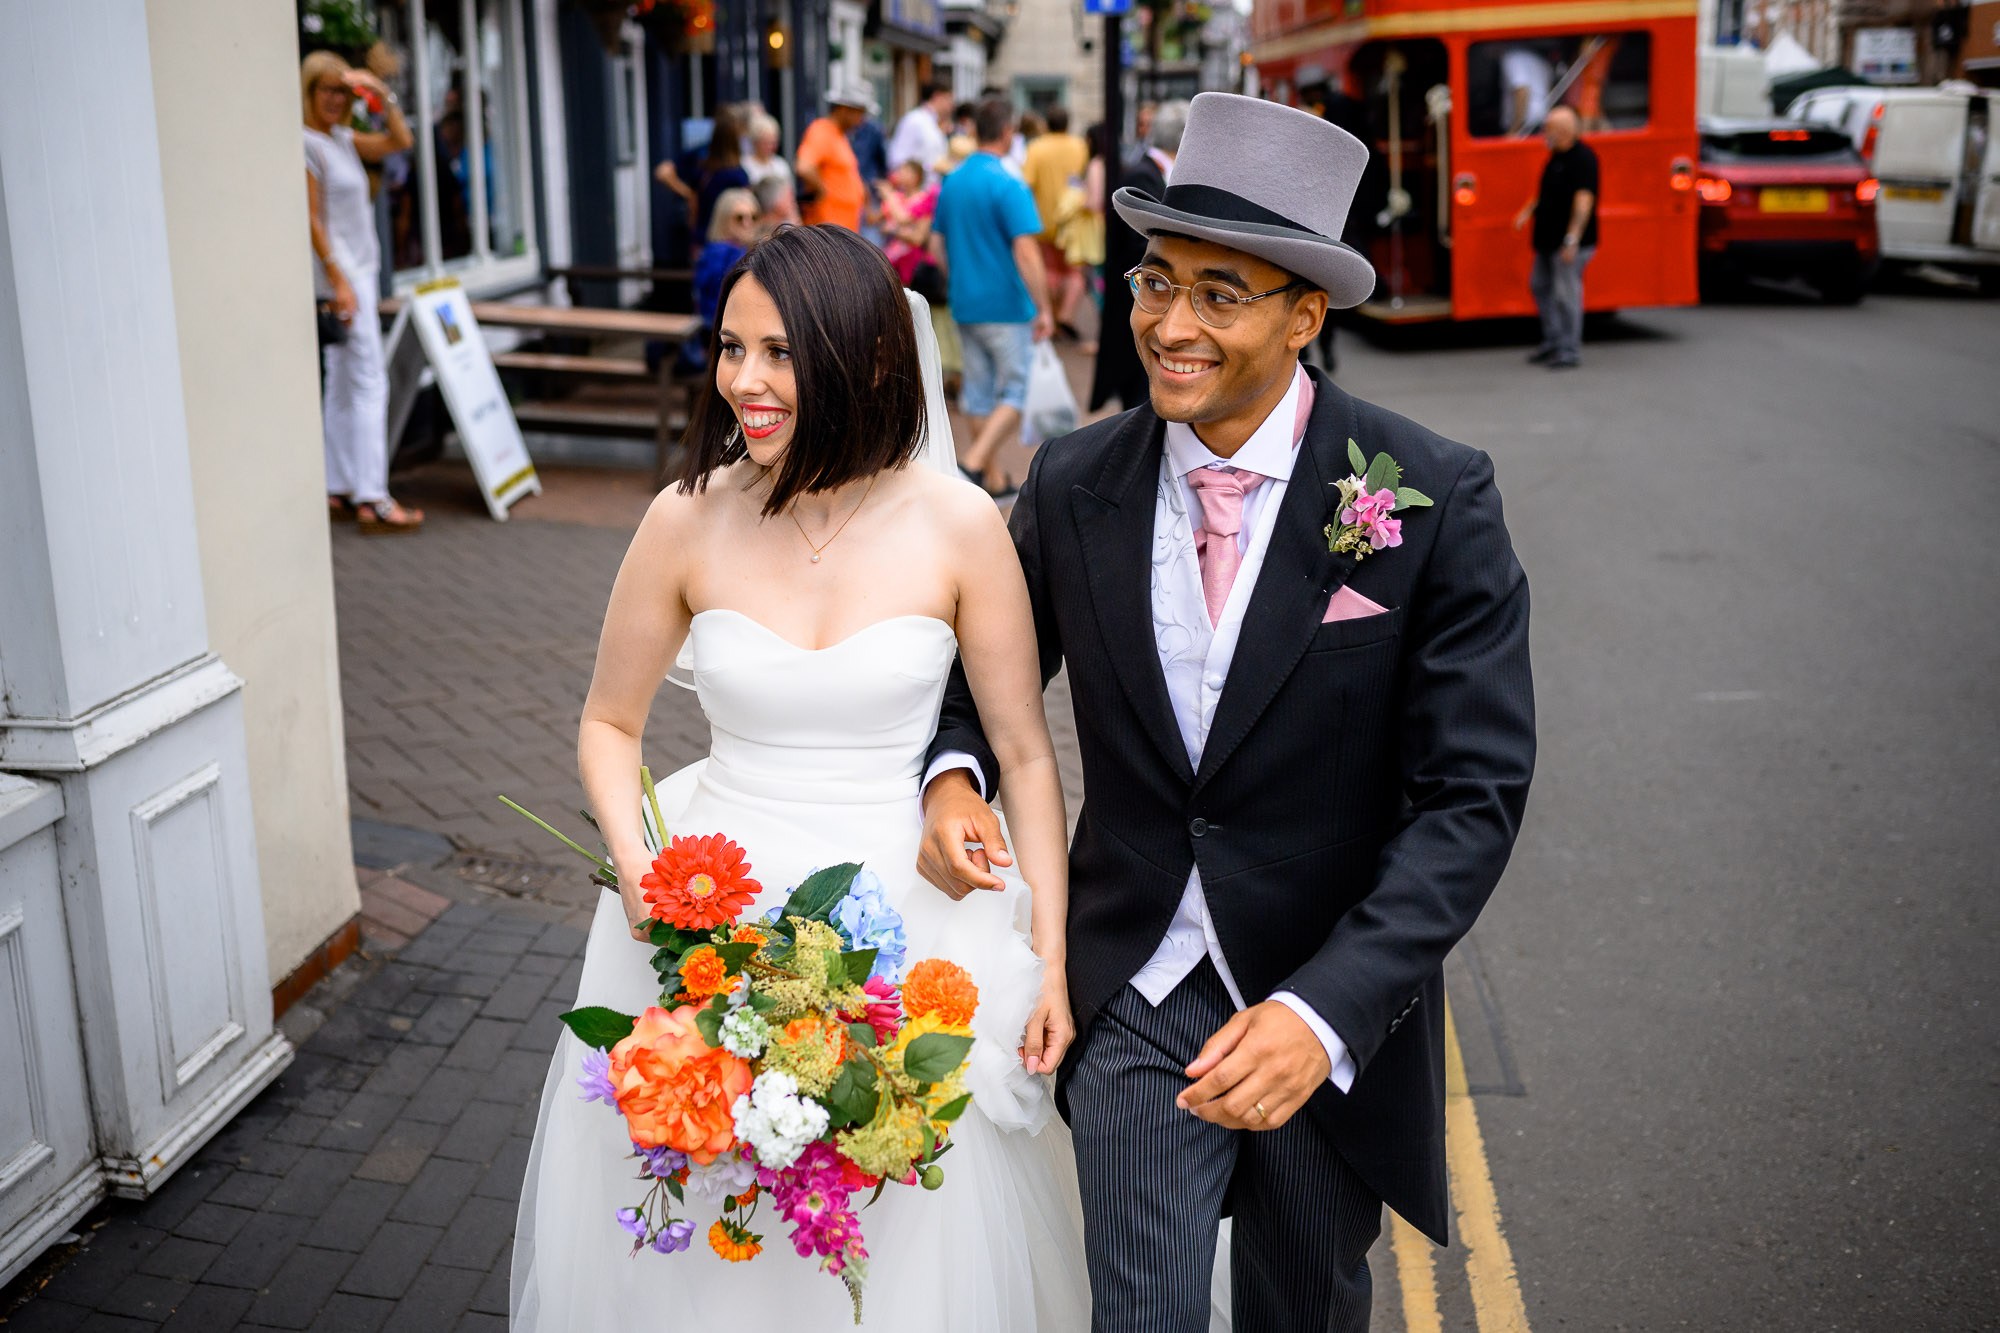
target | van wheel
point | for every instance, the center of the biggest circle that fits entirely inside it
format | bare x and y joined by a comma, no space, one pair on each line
1989,282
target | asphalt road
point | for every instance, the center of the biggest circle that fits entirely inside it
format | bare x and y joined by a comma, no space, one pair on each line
1742,966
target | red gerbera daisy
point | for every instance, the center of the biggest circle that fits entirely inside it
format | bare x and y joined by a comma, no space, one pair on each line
699,883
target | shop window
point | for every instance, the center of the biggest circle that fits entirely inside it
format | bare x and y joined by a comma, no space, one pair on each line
1604,77
463,85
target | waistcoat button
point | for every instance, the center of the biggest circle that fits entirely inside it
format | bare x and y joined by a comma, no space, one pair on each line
1198,827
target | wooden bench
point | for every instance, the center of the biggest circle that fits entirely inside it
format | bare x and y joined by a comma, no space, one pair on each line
664,417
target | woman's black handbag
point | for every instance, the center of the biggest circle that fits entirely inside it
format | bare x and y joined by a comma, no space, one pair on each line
332,328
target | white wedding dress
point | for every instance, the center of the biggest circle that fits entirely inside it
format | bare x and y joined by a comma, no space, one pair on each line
816,760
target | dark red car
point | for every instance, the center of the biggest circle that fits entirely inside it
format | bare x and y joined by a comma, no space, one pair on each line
1781,199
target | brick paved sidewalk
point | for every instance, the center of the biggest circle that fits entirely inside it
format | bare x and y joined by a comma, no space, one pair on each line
373,1187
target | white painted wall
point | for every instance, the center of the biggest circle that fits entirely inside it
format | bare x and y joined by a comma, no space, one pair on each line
1042,39
226,94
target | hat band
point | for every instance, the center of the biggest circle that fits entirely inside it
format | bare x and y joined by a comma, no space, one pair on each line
1224,206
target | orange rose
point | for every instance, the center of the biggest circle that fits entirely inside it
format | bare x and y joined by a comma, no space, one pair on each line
676,1090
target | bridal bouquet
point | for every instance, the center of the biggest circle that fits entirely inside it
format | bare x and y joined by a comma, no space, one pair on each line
791,1060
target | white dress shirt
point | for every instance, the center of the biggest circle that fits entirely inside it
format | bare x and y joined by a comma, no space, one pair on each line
919,139
1195,659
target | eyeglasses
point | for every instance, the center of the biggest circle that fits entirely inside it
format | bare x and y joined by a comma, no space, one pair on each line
1215,304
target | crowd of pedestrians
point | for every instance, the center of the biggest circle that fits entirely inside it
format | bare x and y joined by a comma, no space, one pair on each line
996,218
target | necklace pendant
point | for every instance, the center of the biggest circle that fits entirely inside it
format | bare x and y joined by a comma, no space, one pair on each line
815,557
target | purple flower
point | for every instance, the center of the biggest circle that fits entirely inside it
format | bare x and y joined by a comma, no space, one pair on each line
661,1162
674,1237
633,1221
596,1080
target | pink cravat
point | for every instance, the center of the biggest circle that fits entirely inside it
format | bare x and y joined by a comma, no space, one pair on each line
1221,492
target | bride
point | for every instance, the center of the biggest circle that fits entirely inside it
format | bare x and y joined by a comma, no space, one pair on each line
824,585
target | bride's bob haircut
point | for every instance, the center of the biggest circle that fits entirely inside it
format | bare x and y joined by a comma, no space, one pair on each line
860,406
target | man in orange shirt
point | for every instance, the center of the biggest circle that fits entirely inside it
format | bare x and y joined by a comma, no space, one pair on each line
826,163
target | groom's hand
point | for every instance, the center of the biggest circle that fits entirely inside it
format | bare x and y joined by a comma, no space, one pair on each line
954,815
1265,1056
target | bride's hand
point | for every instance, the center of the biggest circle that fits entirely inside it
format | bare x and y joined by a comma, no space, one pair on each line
1051,1028
638,916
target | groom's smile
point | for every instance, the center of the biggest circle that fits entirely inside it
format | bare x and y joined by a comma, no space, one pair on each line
1224,381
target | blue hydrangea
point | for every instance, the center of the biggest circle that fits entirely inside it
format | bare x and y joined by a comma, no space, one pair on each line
865,919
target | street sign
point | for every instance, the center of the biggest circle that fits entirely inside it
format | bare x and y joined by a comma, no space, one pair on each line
471,387
1107,6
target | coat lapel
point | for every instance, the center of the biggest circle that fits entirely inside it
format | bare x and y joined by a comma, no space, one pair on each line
1114,524
1298,577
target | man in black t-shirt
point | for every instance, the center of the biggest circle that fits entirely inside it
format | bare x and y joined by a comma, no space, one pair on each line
1565,237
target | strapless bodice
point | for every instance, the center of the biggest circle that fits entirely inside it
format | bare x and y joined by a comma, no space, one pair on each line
846,723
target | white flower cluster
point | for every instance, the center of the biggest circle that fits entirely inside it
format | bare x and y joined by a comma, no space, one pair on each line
731,1173
745,1034
775,1121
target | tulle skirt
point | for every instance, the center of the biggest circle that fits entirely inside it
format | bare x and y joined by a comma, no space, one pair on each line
999,1249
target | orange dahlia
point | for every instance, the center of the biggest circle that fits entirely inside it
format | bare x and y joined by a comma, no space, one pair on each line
699,883
748,935
939,986
703,973
733,1242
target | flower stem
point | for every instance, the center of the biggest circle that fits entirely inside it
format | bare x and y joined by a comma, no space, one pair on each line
567,841
653,800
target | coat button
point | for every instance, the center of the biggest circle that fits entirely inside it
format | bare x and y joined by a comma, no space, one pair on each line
1198,827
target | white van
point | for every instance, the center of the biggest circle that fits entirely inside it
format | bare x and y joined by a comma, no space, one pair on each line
1937,153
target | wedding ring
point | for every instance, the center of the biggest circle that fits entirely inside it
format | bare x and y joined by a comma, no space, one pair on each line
1259,1109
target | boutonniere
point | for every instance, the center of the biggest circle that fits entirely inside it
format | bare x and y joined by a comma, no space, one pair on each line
1367,499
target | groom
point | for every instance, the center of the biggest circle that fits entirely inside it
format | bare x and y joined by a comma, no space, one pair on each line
1303,770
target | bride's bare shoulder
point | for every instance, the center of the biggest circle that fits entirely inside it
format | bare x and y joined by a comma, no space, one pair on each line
962,510
679,512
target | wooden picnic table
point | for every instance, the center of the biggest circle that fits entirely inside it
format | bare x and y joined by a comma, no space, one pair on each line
587,322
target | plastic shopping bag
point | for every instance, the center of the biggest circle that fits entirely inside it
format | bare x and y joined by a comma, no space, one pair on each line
1051,408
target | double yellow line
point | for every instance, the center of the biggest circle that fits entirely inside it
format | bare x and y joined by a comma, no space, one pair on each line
1489,1264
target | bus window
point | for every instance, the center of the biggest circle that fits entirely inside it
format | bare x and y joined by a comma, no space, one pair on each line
1604,77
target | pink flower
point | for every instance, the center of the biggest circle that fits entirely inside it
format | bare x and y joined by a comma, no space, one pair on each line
1369,507
1385,532
812,1195
883,1011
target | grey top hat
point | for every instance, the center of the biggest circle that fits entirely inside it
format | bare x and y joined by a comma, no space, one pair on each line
843,92
1268,180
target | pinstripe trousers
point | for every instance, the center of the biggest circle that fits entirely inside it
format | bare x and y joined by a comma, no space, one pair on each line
1155,1177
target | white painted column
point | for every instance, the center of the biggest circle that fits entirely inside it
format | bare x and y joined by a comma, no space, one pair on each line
107,687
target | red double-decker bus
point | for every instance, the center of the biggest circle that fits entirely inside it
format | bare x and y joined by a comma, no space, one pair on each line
1450,95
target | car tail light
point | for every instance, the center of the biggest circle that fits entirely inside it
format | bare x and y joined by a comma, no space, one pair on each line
1790,136
1865,192
1683,175
1874,132
1714,190
1465,189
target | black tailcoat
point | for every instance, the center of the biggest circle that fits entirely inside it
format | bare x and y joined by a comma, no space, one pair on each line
1363,781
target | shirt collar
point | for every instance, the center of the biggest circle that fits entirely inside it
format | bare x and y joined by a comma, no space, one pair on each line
1269,451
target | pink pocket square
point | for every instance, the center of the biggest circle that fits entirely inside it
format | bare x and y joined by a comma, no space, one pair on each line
1348,604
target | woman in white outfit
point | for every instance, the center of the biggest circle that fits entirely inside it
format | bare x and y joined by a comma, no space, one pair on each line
355,407
825,569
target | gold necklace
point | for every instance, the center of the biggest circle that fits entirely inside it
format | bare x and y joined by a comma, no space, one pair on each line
794,512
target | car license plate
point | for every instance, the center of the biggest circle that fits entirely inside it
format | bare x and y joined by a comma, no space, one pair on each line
1916,194
1792,201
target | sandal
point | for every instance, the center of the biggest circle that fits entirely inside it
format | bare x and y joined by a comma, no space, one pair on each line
382,516
340,509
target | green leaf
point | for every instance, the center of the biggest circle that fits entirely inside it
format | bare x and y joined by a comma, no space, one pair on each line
729,1203
851,1100
667,963
1408,497
597,1026
859,964
821,892
880,1185
1356,459
935,1056
735,955
720,1002
836,966
709,1022
674,1188
863,1034
763,1003
952,1109
673,937
1382,473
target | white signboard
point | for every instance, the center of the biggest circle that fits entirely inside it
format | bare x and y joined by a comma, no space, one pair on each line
1886,55
471,387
